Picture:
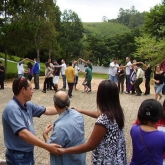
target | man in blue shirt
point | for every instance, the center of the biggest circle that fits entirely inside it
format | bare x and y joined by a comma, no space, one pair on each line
18,126
68,131
36,72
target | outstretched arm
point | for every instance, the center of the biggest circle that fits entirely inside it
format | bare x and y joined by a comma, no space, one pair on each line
91,113
82,60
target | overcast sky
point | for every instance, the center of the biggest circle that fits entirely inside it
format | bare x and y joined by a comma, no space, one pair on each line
94,10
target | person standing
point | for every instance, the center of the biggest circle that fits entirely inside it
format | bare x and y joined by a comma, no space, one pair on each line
48,78
68,131
18,125
113,70
20,68
30,71
77,69
49,86
158,77
2,75
138,79
148,72
107,139
162,64
128,68
121,74
36,72
70,76
56,74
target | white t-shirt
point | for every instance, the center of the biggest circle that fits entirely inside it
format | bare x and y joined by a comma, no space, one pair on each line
128,67
63,68
76,68
20,68
113,69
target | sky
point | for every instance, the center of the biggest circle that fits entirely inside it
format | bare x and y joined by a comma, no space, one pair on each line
94,10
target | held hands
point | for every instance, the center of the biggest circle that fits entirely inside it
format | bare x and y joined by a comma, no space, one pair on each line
78,110
52,148
60,151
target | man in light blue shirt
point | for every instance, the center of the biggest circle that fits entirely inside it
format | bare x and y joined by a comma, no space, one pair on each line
68,131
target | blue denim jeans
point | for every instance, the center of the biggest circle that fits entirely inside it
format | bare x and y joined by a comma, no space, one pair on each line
64,81
19,158
113,78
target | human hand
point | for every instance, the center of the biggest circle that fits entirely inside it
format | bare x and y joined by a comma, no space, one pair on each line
52,148
48,128
75,109
61,151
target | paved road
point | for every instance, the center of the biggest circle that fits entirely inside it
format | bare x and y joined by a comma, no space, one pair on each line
129,103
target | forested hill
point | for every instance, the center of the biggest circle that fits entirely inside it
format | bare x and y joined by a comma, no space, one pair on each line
105,28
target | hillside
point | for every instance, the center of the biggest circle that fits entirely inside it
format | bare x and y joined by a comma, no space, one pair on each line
105,28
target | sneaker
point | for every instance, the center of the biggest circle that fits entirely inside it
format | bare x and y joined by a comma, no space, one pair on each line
43,91
126,92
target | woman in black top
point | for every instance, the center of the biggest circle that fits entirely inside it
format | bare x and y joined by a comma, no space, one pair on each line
121,74
158,78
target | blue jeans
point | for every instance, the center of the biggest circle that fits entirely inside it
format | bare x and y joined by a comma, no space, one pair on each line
19,158
64,81
113,78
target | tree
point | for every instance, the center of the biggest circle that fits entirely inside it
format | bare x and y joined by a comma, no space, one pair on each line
71,34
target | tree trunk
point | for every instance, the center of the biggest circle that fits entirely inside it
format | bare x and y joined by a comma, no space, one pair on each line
38,54
50,52
5,60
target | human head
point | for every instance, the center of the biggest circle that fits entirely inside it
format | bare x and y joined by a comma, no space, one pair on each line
61,100
29,64
88,61
35,60
49,60
115,60
47,64
70,63
150,110
127,59
108,101
62,61
157,68
55,62
22,86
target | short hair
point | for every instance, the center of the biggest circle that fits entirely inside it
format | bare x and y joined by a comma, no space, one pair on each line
61,103
18,84
70,63
149,110
0,62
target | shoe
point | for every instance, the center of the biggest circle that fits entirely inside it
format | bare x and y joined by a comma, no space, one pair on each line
1,88
44,91
63,89
126,92
146,93
70,96
88,90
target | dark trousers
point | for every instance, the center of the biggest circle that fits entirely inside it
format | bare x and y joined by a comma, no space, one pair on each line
128,84
49,80
121,83
147,86
64,81
36,81
2,81
49,83
70,89
137,85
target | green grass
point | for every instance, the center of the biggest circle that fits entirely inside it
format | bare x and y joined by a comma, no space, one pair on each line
96,75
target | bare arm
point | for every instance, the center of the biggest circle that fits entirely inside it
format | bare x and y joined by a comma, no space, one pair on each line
50,111
32,139
91,113
94,140
82,60
29,60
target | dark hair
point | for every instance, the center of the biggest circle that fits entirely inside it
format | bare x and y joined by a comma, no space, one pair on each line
60,103
70,63
18,84
149,110
29,64
157,66
0,62
47,64
108,102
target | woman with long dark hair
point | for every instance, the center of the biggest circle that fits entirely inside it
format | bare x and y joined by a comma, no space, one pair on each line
107,139
30,71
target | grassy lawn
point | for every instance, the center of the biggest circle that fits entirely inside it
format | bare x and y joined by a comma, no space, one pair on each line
12,68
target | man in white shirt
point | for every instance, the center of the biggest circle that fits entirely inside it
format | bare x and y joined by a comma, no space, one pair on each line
63,68
138,80
20,68
113,70
127,70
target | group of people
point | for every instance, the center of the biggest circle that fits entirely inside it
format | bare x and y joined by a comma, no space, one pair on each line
134,75
66,143
69,74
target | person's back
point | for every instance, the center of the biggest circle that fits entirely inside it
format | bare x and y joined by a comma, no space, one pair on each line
154,142
70,74
68,131
89,74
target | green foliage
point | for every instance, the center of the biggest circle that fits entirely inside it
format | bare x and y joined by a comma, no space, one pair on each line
104,28
130,18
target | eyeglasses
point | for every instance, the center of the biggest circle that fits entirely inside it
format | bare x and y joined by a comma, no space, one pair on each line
20,82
